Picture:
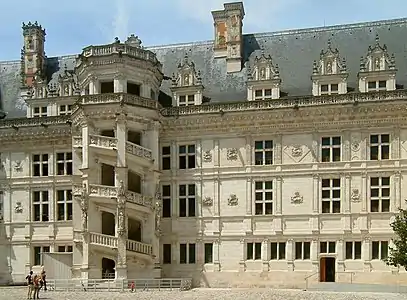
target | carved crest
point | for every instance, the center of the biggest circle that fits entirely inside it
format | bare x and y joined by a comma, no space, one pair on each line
187,75
296,151
233,200
18,166
377,58
355,196
232,154
207,201
207,156
18,209
297,198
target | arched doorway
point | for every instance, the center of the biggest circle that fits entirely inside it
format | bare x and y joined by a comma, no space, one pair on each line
108,268
108,223
134,230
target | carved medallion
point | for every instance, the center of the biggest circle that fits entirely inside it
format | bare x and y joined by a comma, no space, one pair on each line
18,166
207,156
232,154
355,196
296,151
355,145
207,201
233,200
297,198
18,209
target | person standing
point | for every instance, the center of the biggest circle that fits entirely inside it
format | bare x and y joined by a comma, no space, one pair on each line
37,285
30,284
43,279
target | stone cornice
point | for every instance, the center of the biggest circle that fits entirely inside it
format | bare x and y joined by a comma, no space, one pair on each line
289,102
34,122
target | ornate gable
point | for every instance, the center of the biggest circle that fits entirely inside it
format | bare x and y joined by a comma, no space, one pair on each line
263,79
329,73
377,69
66,81
187,84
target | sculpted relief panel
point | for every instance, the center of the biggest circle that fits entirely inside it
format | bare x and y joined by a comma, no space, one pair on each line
297,149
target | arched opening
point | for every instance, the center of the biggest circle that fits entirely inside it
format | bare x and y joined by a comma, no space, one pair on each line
134,182
107,175
134,137
108,266
108,223
134,230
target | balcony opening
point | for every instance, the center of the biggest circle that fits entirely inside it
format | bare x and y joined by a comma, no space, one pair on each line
108,175
134,182
134,230
133,89
106,87
134,137
108,223
107,132
108,268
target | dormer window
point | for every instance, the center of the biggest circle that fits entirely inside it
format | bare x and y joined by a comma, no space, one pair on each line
377,70
186,100
187,85
40,111
329,73
65,110
263,81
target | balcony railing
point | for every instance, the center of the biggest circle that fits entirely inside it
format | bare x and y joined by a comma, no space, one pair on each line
103,240
124,98
102,141
139,151
139,247
138,199
97,190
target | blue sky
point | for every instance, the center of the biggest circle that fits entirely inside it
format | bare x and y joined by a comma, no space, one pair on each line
74,24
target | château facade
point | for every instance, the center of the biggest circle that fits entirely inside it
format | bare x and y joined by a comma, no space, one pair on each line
255,159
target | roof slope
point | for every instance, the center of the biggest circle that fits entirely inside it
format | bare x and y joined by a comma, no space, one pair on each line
294,51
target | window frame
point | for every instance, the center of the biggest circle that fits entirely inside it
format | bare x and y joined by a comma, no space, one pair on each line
328,249
66,111
353,250
188,198
187,155
329,90
66,162
67,248
332,148
380,199
42,111
42,249
67,203
264,151
380,146
41,203
42,163
264,94
188,251
186,100
166,199
332,199
264,202
305,245
251,253
278,252
208,257
166,157
164,260
380,255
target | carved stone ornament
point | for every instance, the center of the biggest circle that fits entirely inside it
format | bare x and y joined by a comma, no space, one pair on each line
18,209
296,151
233,200
157,209
121,192
207,201
355,195
207,156
232,154
355,146
297,198
84,207
18,166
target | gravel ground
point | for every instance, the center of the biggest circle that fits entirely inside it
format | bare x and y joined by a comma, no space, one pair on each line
198,294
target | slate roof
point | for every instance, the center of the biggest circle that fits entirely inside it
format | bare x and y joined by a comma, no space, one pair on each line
293,50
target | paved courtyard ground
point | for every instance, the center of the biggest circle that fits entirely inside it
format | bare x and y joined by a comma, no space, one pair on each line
201,294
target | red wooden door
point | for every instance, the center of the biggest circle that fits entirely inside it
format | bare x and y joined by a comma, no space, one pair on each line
322,270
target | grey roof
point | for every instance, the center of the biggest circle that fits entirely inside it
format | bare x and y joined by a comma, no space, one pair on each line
294,51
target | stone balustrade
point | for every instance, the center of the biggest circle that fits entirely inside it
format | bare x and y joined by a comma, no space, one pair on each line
138,199
139,247
124,98
138,150
103,240
102,141
97,190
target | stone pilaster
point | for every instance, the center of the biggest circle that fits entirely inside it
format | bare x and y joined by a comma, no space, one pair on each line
315,194
290,254
216,261
279,195
314,254
396,192
265,257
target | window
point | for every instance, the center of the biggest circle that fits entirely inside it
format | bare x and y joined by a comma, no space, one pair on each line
64,248
133,88
107,87
376,85
37,254
331,196
64,205
166,199
263,197
277,251
186,156
187,254
353,250
253,251
186,100
327,247
187,200
40,165
380,249
64,163
167,256
328,89
262,94
380,194
302,250
41,206
208,253
40,111
379,146
263,152
331,149
166,158
65,109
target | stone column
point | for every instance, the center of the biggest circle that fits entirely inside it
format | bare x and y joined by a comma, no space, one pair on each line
290,254
216,262
314,254
366,257
249,196
279,195
315,194
119,83
364,192
347,191
121,173
397,192
340,255
265,257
